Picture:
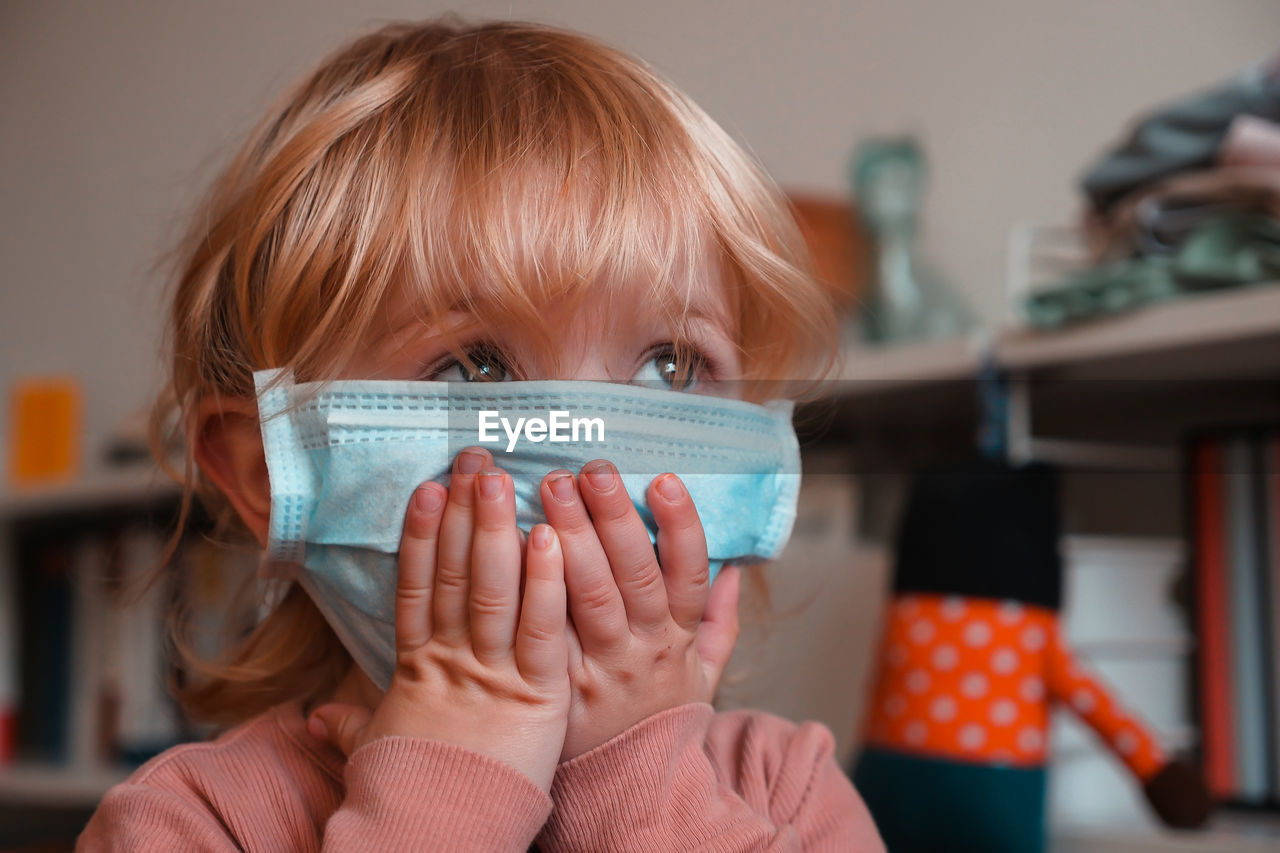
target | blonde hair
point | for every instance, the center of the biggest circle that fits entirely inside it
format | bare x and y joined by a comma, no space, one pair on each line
487,168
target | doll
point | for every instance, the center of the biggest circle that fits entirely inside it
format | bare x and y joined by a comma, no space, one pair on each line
971,661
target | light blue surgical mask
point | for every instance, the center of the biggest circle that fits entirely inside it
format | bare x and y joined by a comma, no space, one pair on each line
345,456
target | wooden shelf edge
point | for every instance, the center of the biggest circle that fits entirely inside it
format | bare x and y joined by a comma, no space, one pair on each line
57,785
1193,320
1196,320
866,369
1225,833
136,485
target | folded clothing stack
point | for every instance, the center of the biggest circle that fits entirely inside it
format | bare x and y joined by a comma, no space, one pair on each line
1189,201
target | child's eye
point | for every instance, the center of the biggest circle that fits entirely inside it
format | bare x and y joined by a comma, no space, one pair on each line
676,367
489,364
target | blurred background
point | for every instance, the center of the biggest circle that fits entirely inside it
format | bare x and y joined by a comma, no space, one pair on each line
1044,321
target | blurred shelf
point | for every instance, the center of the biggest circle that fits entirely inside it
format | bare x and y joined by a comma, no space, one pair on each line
1126,551
1170,330
1213,335
57,785
1228,832
138,485
869,370
1103,455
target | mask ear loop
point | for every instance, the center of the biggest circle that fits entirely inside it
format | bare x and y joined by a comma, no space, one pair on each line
273,581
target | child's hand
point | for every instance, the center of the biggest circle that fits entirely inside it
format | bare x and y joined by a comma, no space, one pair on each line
476,667
644,637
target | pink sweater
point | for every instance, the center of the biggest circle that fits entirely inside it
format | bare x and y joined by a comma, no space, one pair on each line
687,778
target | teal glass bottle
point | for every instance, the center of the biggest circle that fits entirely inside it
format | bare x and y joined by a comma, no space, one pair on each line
908,300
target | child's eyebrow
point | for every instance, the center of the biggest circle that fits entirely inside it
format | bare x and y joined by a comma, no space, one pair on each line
719,319
408,334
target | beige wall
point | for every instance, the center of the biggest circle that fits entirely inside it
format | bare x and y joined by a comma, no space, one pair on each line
114,114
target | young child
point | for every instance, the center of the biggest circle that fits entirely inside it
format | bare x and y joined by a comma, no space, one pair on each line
491,203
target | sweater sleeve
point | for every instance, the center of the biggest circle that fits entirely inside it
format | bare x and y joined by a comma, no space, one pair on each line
413,794
145,818
401,794
688,778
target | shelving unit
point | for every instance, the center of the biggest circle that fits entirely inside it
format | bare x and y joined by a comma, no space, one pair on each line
55,786
35,793
133,485
1193,337
1237,330
866,371
1227,834
1118,385
1111,400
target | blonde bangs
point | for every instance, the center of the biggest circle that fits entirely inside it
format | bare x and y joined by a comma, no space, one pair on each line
567,169
568,189
492,170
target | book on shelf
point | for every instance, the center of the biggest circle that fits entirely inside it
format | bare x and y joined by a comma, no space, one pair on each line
147,721
92,689
8,663
44,604
89,655
86,665
1235,521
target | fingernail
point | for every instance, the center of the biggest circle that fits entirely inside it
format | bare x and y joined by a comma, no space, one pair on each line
317,729
469,462
561,487
490,484
540,537
427,499
670,487
600,475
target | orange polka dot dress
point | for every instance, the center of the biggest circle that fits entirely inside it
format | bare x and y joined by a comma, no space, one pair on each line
972,680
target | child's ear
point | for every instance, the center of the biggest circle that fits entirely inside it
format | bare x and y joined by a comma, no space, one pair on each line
228,449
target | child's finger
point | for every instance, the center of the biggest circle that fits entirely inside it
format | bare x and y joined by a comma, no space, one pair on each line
450,603
340,725
682,548
626,544
542,649
718,632
594,601
495,567
417,566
